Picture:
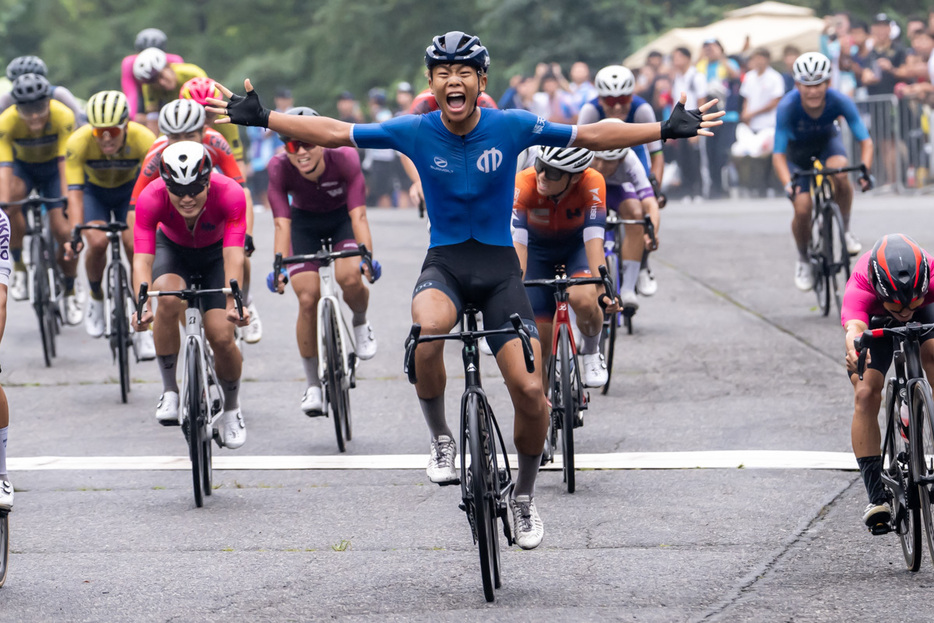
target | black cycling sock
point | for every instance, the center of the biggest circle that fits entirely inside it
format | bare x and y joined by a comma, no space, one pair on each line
525,476
433,410
167,369
96,292
69,283
871,469
17,255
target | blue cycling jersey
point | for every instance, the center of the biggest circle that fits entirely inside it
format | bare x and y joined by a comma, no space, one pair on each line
468,181
795,126
642,151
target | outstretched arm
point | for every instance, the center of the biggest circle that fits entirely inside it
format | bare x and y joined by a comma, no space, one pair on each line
247,110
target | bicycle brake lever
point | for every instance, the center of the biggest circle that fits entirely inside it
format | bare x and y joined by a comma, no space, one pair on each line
75,241
277,269
411,342
238,297
650,230
527,351
861,359
367,258
141,301
607,287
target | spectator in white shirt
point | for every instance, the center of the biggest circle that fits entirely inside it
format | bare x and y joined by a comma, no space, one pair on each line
762,90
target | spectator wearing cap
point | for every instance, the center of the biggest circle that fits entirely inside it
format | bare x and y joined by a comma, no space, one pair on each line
404,97
686,79
348,108
723,80
264,144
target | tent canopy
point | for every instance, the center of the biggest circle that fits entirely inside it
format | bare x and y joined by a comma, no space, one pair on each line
770,25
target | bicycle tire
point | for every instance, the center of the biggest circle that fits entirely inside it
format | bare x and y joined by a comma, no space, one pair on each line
923,419
4,546
610,323
207,469
819,262
345,401
839,256
568,406
41,302
195,402
334,392
120,329
481,493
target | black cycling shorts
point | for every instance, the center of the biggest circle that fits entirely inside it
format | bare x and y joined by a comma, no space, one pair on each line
186,262
309,229
882,349
485,276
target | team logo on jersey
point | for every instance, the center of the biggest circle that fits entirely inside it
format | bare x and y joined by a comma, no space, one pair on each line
336,193
440,164
4,240
539,125
490,160
595,192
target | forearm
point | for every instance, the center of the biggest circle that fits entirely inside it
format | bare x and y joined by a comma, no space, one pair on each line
142,269
854,328
62,178
650,207
595,255
865,152
233,265
604,135
316,130
522,252
282,241
658,166
75,207
6,183
780,164
361,227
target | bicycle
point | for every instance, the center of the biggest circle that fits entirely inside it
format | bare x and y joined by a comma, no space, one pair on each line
827,250
46,283
201,401
907,449
565,388
118,301
4,545
486,483
335,339
612,322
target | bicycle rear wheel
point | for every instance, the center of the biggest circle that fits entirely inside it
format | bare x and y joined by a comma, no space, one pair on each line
335,369
4,545
480,489
835,245
568,405
610,323
120,327
197,408
923,419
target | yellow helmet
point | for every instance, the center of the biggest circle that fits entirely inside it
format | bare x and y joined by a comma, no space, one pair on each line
107,109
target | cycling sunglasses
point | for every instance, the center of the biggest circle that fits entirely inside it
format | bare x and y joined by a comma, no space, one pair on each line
613,100
898,307
33,109
294,145
550,172
108,132
186,190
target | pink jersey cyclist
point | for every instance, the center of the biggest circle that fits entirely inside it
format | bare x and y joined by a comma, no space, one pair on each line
860,301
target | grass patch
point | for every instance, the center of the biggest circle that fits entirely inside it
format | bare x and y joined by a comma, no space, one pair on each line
342,546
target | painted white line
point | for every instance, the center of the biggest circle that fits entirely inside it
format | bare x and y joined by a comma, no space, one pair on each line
721,459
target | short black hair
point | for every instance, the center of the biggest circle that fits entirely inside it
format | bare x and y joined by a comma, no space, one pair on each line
655,54
860,24
683,50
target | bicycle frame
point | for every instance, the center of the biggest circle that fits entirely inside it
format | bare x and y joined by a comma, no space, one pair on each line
39,231
194,333
329,291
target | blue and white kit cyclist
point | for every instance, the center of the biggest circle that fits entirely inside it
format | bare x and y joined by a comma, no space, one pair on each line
465,156
806,127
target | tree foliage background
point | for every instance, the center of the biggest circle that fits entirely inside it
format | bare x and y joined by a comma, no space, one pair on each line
322,47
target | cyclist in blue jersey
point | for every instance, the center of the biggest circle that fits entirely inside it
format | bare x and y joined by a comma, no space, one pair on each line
806,128
465,156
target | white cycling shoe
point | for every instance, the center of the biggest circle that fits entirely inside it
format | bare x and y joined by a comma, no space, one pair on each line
365,341
594,372
804,276
6,495
145,346
253,332
167,409
629,300
73,312
527,527
94,318
313,401
853,245
232,429
441,469
646,284
19,291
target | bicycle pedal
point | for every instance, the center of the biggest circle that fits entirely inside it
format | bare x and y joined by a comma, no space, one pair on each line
880,529
449,483
170,423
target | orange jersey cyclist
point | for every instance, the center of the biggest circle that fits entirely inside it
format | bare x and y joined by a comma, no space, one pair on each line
465,158
559,216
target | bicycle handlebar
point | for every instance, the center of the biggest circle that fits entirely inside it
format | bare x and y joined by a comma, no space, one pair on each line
33,200
112,227
415,337
850,169
563,283
862,342
645,222
189,294
325,256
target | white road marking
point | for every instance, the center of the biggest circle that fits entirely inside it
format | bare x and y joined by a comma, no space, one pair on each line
718,459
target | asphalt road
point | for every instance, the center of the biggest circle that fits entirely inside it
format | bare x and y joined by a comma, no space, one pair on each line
727,356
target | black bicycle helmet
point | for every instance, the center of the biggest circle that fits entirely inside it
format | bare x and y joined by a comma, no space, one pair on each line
298,110
30,88
899,269
25,65
150,38
457,47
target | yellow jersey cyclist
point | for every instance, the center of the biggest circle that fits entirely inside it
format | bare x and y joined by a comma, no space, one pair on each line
559,216
6,267
35,65
160,81
101,166
806,127
464,155
33,134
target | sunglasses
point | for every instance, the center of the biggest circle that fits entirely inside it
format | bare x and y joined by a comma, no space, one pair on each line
550,172
108,132
33,109
614,100
898,307
186,190
294,145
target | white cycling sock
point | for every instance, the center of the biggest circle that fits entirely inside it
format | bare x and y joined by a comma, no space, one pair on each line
590,344
525,478
630,275
311,371
4,434
167,369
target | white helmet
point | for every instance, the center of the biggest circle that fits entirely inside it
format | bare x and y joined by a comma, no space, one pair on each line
812,68
567,159
614,80
613,154
181,117
148,64
184,163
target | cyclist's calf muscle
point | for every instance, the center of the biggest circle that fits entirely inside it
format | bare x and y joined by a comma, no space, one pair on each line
528,397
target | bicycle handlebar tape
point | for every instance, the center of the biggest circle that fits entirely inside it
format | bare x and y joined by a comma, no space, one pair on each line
411,343
681,123
247,110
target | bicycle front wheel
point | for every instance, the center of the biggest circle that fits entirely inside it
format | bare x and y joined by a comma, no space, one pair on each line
481,491
610,323
4,545
820,260
120,327
835,244
923,419
335,369
568,405
41,299
197,411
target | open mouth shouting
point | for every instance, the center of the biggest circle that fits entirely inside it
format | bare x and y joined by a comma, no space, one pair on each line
457,102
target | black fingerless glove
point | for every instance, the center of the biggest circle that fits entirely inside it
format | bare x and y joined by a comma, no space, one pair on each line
247,110
682,123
